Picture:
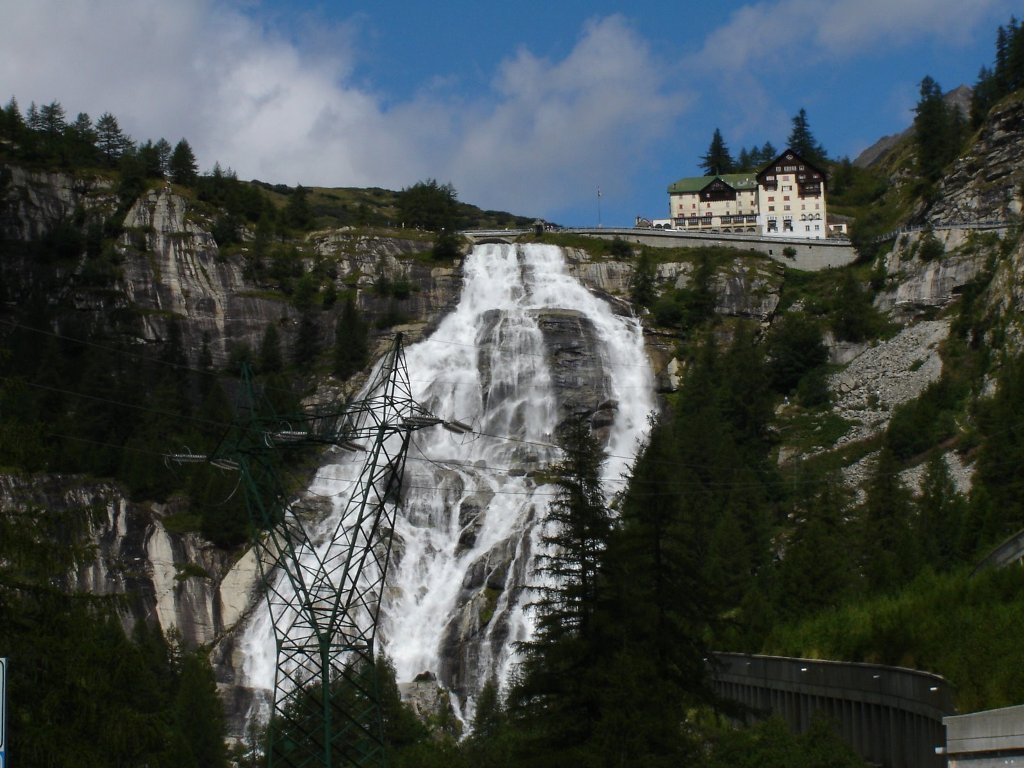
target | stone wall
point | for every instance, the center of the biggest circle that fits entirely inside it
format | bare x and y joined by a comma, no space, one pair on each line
811,255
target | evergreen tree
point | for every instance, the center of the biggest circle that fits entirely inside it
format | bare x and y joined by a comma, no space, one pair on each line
429,205
297,213
199,715
52,119
553,698
795,349
13,124
642,284
163,155
889,554
854,318
182,164
717,160
938,131
941,514
33,120
110,139
802,141
270,359
817,567
659,605
351,341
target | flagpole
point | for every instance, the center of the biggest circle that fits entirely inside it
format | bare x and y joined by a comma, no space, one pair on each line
598,207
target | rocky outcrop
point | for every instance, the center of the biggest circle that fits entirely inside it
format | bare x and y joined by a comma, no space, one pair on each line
986,183
886,375
171,269
178,581
579,378
913,284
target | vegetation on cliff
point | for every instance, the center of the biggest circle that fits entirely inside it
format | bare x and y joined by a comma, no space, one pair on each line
715,544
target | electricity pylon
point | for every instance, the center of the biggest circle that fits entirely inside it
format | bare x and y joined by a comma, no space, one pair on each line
324,586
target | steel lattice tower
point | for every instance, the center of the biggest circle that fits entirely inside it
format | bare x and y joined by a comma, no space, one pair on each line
324,587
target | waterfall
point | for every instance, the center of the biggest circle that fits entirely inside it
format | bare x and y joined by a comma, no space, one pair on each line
526,347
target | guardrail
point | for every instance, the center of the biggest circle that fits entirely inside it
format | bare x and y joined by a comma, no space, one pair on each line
890,716
993,224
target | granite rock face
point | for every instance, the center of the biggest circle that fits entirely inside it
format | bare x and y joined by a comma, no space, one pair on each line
172,269
985,183
180,581
914,285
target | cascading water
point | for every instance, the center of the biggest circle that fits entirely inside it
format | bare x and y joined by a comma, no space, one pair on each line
527,347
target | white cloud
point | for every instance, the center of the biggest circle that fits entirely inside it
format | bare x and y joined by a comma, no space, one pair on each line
263,105
783,33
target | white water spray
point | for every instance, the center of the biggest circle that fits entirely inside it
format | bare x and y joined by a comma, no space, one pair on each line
467,528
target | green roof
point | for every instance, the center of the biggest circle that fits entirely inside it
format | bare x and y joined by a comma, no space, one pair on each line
697,183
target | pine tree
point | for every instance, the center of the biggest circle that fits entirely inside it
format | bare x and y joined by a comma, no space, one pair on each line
270,359
889,553
658,605
552,699
802,141
717,160
110,139
351,341
642,285
941,514
182,164
938,131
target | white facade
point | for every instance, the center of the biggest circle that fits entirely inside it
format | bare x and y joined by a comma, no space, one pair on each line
791,199
786,199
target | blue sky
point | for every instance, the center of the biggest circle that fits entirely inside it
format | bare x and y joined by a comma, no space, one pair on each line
528,107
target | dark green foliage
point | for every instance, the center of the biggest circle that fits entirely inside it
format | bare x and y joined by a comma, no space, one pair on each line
923,423
642,285
365,706
717,160
939,131
854,318
850,185
770,744
429,205
1006,75
755,158
1000,465
85,693
270,359
351,341
620,249
976,644
307,342
693,305
802,141
816,571
888,547
930,247
110,139
182,165
447,245
795,349
297,213
941,517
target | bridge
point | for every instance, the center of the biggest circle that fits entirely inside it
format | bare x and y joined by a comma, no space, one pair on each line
890,716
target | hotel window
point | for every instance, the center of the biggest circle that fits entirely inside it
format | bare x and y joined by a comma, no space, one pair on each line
771,207
785,207
785,197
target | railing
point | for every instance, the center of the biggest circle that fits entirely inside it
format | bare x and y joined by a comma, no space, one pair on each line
990,224
890,716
